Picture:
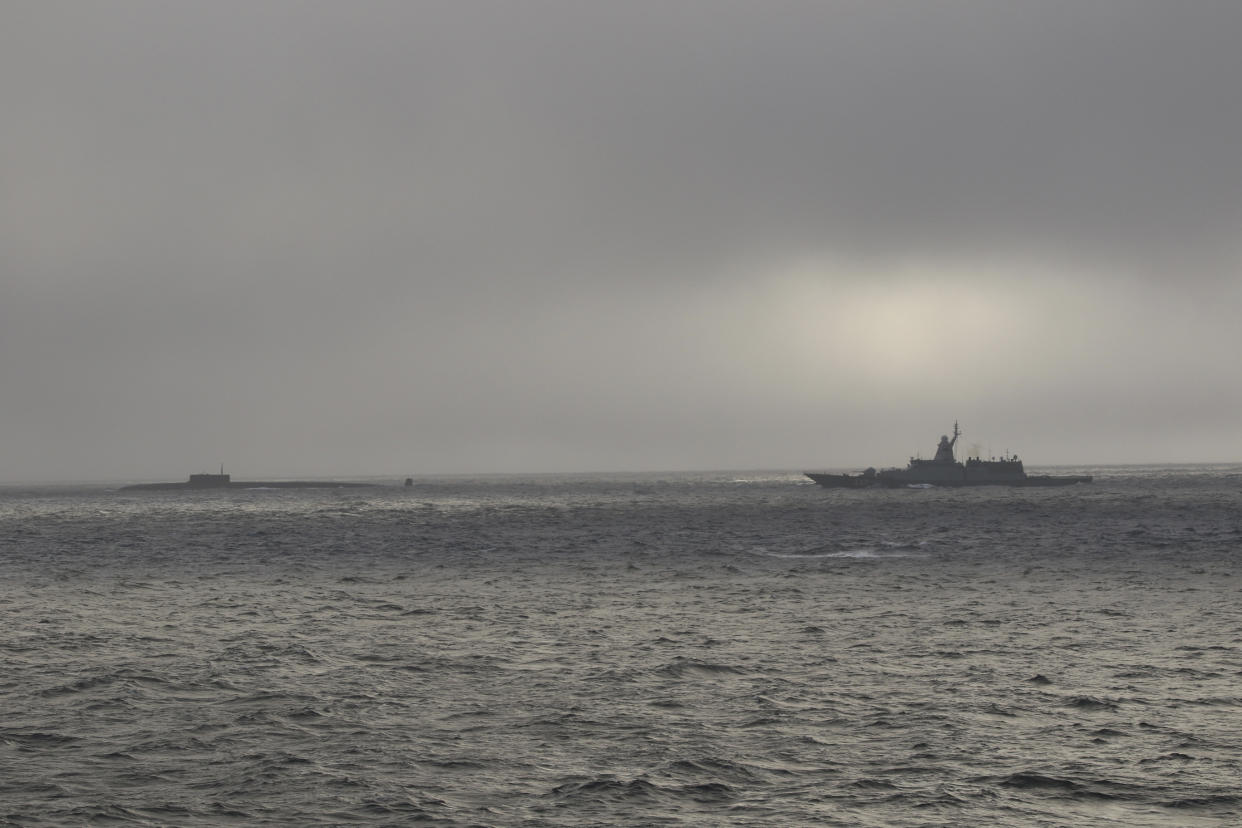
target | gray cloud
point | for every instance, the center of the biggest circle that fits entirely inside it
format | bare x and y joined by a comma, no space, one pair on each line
495,236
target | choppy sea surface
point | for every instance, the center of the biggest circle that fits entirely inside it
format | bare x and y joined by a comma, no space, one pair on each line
678,649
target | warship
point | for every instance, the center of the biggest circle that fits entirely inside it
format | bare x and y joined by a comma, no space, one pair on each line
945,470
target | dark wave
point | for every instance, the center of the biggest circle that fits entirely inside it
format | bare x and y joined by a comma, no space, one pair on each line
692,668
610,789
1090,703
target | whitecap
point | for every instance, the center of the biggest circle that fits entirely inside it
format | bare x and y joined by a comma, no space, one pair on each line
863,552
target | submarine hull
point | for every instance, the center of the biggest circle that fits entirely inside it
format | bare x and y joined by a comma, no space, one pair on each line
241,484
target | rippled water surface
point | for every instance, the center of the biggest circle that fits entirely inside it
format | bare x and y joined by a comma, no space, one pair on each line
741,649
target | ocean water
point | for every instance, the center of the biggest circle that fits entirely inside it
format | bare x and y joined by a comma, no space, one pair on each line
710,649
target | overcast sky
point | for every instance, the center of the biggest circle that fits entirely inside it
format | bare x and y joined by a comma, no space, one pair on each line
317,238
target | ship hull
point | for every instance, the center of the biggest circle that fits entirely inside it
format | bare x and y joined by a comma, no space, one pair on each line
882,481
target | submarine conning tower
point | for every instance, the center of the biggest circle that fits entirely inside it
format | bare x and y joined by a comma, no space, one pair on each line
209,481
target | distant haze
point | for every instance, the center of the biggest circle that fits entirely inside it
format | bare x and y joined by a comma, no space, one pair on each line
318,238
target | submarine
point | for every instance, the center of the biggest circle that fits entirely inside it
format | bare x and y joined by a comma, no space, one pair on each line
224,481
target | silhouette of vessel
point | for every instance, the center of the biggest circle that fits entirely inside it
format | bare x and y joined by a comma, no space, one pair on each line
225,481
945,470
